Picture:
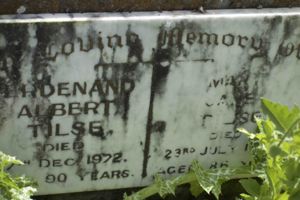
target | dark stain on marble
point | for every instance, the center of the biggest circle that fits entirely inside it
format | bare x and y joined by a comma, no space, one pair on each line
14,40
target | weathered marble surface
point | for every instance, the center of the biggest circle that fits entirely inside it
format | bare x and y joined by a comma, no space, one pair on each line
99,101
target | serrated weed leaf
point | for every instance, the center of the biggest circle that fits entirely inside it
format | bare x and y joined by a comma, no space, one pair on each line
212,180
283,117
132,197
6,160
13,188
247,133
165,187
206,182
195,189
268,128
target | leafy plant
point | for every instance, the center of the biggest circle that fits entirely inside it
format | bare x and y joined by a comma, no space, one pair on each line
200,180
274,173
13,188
275,154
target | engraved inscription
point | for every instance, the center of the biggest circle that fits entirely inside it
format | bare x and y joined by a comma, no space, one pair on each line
105,103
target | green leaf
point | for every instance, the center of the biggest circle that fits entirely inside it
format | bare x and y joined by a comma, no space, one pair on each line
195,189
284,196
247,197
275,150
211,181
295,196
251,186
6,160
283,117
13,188
292,170
261,136
268,128
165,187
203,178
132,197
244,131
296,138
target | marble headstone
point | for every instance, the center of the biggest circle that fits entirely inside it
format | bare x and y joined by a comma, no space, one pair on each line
105,101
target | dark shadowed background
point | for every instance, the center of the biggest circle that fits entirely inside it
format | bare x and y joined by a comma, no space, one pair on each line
68,6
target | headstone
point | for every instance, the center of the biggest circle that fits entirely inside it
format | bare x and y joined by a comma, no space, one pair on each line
105,101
